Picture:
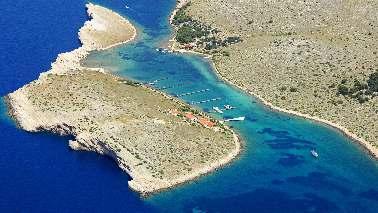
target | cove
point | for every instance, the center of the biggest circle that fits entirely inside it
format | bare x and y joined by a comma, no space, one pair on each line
275,166
274,173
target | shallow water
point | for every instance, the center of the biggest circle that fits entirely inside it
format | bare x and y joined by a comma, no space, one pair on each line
275,172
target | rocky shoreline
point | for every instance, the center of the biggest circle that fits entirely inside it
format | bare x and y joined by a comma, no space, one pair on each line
91,41
372,150
61,102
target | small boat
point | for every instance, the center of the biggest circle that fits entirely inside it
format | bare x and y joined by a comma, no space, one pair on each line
127,7
228,107
314,153
216,109
163,50
153,82
236,119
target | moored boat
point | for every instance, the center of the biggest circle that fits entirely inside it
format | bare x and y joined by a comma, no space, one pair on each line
228,107
216,109
242,118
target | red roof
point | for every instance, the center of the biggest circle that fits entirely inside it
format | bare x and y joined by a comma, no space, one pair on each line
206,122
190,116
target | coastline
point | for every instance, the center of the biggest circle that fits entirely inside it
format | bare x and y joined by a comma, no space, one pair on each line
10,111
221,163
275,169
232,156
19,109
69,61
86,143
178,6
369,148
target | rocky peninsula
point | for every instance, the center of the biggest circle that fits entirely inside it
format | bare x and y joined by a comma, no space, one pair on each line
315,59
152,136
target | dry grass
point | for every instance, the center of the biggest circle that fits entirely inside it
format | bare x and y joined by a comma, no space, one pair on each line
295,53
133,121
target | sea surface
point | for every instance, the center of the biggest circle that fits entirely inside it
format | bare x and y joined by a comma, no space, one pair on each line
274,173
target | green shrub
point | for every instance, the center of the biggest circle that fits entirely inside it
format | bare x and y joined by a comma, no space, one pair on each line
358,86
372,82
186,34
362,98
343,90
225,53
233,40
181,16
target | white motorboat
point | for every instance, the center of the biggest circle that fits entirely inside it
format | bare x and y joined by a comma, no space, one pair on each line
236,119
314,153
216,109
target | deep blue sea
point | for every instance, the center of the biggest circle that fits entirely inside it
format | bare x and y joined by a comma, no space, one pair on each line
275,172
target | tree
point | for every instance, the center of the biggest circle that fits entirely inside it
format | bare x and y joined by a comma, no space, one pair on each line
373,82
181,16
185,34
343,90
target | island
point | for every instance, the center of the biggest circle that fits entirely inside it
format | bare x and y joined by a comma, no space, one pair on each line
157,139
314,59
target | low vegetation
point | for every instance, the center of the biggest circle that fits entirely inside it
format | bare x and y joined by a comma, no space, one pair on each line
194,34
363,91
130,120
181,16
296,55
188,33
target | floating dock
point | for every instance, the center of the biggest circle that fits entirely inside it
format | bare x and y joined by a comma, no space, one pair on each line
206,101
174,86
192,93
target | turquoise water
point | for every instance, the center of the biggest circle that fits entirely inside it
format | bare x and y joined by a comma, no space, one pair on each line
274,173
